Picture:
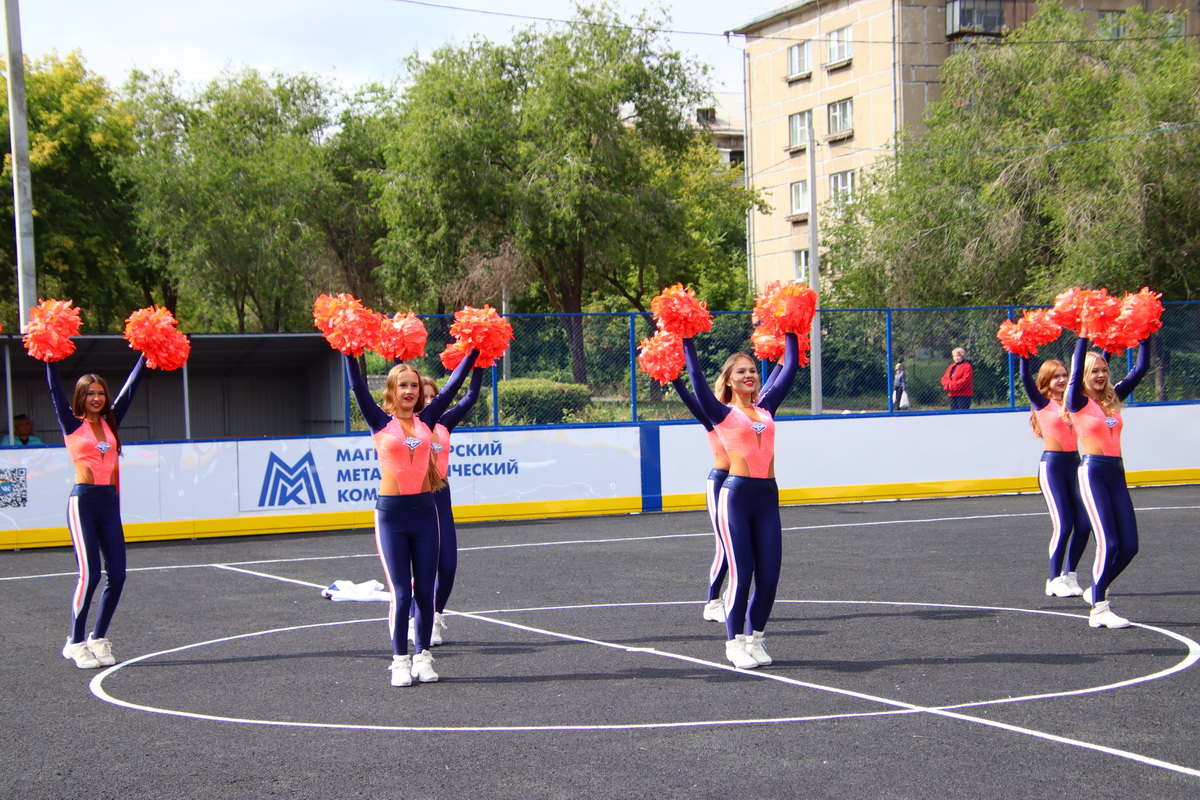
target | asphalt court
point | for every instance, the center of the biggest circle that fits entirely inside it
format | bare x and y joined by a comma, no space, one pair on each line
916,656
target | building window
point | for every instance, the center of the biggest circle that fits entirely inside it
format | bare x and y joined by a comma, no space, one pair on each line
1175,24
799,60
841,116
1111,24
974,16
798,128
839,45
800,265
841,187
800,197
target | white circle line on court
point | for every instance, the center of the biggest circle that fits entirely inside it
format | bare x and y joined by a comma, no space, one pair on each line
706,534
898,707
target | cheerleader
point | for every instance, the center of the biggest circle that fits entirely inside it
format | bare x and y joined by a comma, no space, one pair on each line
447,533
748,503
1094,405
89,424
406,515
1058,475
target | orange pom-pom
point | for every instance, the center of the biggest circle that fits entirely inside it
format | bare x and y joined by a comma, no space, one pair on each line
152,332
786,308
48,333
680,312
456,351
347,325
1141,313
661,356
485,330
1026,335
402,337
768,344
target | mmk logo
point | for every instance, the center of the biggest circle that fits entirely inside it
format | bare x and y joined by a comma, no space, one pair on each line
284,483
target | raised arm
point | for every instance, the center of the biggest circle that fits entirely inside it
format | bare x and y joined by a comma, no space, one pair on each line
377,419
713,409
774,376
1075,399
1130,381
458,412
67,421
432,412
690,401
124,397
1036,398
772,398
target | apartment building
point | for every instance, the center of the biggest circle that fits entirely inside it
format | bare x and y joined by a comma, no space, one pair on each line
847,75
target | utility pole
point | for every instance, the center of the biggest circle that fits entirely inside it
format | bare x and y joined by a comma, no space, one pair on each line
19,134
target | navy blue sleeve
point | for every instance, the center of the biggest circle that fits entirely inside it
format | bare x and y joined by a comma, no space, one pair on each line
714,410
774,376
67,421
1075,399
377,419
772,398
463,407
690,401
1130,381
1036,398
124,397
432,412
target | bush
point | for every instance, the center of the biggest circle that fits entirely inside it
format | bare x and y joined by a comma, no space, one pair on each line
536,401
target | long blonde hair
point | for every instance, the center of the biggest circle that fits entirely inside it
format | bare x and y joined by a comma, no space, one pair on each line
390,406
1045,375
1106,397
724,389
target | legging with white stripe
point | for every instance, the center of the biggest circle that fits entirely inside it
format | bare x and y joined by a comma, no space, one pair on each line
406,535
94,520
716,572
1059,481
1106,497
753,538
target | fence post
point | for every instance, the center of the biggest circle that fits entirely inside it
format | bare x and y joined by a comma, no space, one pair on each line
1012,389
633,365
495,398
887,368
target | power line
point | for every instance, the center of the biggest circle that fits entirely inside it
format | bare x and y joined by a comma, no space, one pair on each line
989,41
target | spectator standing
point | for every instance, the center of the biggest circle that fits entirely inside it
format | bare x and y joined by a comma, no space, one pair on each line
959,381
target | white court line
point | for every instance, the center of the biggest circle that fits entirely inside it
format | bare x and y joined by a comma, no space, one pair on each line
898,707
265,575
581,541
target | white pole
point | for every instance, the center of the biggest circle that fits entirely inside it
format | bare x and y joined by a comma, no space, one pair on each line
187,408
814,272
19,134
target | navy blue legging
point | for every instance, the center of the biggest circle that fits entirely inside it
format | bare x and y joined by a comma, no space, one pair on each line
753,537
716,572
406,535
94,520
1106,497
1058,477
447,551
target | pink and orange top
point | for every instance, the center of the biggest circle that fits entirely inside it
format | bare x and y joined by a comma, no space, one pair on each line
89,453
1098,431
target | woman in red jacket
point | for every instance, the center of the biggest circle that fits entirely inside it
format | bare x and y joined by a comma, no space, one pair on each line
958,381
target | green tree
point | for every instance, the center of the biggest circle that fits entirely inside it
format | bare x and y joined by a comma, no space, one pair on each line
229,185
1056,157
567,148
84,244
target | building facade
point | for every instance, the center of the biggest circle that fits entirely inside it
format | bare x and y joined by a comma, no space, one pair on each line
847,76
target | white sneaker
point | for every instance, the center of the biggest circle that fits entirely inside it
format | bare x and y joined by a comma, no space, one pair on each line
102,650
1103,617
439,629
735,651
714,610
1087,595
401,671
1057,587
80,654
1071,579
422,667
755,649
412,630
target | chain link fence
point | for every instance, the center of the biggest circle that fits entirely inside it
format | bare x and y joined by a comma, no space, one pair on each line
582,368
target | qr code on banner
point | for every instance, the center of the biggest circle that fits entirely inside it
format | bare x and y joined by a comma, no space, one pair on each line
13,485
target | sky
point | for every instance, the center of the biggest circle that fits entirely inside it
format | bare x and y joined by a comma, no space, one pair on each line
350,42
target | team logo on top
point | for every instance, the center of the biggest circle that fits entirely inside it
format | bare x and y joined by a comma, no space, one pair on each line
412,443
1111,422
103,447
437,448
759,427
285,483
